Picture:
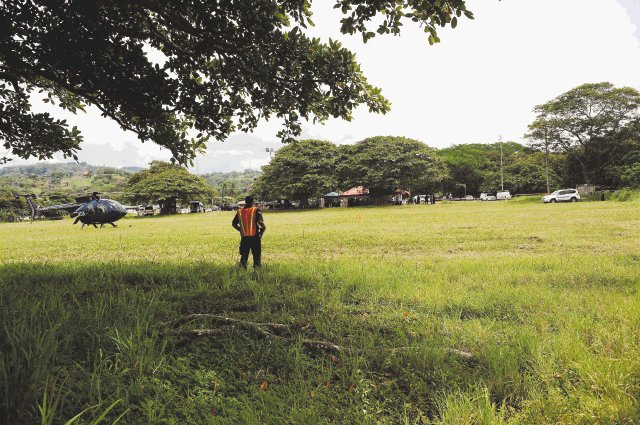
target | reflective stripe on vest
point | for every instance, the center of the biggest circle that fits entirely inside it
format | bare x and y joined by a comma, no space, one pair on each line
247,219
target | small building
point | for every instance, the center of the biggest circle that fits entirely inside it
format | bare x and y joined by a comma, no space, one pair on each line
400,196
354,197
586,189
330,199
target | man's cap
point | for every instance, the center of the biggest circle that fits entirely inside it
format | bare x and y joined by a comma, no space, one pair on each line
249,200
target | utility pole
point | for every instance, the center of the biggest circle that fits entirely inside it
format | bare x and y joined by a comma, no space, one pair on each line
501,172
546,157
270,151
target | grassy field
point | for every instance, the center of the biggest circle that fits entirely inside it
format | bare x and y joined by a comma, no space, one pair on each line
543,297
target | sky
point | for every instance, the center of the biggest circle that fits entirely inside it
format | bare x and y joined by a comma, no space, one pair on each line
480,83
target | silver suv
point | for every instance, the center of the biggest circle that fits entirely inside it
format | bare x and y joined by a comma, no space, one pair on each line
562,195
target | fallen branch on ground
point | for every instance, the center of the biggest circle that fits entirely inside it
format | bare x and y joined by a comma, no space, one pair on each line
277,328
275,331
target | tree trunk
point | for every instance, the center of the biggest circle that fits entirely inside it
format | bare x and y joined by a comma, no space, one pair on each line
583,165
585,173
378,198
304,202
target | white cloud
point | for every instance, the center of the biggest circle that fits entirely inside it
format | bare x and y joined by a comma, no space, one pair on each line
486,76
239,152
233,152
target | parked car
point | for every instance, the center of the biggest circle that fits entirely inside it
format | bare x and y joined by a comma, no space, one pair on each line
280,204
487,197
148,210
229,207
503,195
562,195
133,209
468,198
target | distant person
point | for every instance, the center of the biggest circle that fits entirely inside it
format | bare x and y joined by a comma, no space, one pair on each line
248,221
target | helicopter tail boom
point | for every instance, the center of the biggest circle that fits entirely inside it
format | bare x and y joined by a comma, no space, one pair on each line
33,208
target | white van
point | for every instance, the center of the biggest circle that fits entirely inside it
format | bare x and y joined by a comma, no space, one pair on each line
503,195
420,199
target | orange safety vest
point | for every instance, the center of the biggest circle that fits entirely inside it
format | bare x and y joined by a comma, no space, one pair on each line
247,219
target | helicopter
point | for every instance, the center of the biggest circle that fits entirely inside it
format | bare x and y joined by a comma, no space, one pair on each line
87,209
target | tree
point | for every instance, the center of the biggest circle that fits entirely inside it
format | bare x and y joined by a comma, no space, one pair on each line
181,72
478,166
630,174
234,182
11,208
299,171
525,172
579,121
229,188
384,164
163,180
467,164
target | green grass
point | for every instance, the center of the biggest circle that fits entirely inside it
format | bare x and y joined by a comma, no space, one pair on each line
544,296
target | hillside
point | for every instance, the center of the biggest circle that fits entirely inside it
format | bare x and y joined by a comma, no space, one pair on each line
62,178
234,183
72,177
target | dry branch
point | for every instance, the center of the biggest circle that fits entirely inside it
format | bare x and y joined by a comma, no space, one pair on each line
193,333
277,328
274,331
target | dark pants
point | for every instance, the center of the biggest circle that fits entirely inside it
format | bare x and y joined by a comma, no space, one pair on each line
253,244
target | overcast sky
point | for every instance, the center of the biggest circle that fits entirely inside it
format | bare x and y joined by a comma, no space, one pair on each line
481,82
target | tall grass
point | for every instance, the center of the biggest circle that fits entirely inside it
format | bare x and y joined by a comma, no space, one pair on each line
544,296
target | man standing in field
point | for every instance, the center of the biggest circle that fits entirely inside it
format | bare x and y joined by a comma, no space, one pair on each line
248,221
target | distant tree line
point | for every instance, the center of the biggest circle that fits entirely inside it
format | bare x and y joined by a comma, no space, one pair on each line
233,183
591,134
56,183
311,168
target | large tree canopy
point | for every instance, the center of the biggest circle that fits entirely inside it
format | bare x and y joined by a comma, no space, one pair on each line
584,120
300,171
163,180
181,72
384,164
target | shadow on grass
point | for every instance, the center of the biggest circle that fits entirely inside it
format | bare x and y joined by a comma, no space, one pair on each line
83,336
